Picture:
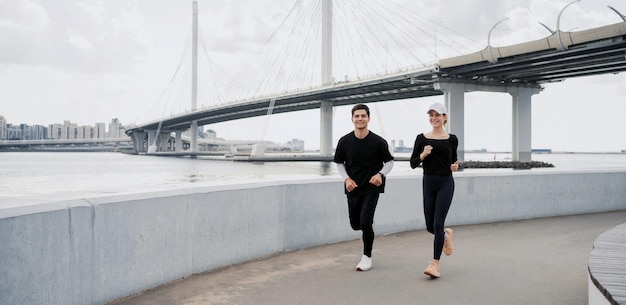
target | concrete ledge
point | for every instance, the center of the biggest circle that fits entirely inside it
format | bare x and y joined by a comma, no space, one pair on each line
607,268
93,251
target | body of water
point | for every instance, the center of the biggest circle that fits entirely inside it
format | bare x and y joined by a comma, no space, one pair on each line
32,177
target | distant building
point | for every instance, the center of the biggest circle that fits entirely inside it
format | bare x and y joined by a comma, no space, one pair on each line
14,132
86,132
211,134
35,132
400,148
21,132
67,130
56,131
100,131
541,151
71,130
296,145
3,128
116,130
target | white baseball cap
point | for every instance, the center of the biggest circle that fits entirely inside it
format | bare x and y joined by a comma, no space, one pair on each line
438,107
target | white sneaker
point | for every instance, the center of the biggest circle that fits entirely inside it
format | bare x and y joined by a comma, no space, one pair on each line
365,263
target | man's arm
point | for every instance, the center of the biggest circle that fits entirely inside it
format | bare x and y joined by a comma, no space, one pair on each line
377,179
341,168
387,166
348,182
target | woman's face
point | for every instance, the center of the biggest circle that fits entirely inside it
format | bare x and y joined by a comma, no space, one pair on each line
436,119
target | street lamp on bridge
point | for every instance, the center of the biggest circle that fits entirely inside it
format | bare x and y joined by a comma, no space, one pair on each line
558,24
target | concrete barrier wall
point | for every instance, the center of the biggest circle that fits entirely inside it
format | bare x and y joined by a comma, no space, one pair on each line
93,251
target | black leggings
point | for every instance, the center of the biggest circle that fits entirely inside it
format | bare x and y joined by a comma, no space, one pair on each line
361,210
438,192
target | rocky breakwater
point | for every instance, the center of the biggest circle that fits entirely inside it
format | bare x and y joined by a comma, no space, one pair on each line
504,164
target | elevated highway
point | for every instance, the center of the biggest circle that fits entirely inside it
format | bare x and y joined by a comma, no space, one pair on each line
519,70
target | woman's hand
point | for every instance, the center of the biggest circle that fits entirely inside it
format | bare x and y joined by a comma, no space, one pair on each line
455,166
426,152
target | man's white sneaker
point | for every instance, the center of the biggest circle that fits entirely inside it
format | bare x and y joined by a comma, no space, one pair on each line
365,263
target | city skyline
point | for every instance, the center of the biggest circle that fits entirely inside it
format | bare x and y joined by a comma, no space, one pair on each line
67,130
116,62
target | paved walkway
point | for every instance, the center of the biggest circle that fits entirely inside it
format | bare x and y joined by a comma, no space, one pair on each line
539,261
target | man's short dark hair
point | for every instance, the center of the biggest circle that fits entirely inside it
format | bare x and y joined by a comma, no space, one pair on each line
359,107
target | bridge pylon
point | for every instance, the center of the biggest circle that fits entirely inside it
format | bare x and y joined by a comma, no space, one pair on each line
326,107
326,128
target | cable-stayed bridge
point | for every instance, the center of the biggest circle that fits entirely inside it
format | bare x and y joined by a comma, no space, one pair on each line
281,84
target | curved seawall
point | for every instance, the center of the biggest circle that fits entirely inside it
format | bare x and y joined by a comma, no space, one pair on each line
92,251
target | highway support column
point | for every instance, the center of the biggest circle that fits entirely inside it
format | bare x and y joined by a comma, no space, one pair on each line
522,122
326,129
178,146
139,138
454,96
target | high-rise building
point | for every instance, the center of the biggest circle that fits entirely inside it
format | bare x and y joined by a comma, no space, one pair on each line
116,130
56,131
66,131
87,132
14,132
211,134
72,130
35,132
100,131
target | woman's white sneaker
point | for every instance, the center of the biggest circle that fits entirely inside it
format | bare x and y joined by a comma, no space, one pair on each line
365,263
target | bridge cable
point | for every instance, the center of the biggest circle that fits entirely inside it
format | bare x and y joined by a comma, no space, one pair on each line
369,38
270,109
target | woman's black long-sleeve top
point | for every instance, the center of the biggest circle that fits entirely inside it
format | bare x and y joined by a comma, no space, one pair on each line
441,156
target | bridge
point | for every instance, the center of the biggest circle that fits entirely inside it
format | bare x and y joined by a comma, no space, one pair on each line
519,70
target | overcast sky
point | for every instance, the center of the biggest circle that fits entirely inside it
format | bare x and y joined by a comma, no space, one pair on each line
93,60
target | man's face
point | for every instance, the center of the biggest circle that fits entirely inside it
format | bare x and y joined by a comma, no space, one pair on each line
360,119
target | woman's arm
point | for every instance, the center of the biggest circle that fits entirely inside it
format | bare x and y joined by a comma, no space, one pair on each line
416,160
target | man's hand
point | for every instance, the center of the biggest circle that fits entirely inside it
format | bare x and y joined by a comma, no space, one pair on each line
350,184
377,179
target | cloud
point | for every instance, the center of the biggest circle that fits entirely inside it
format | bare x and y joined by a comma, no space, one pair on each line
89,61
23,16
72,35
79,41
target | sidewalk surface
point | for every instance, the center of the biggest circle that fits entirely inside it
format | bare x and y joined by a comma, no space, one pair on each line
539,261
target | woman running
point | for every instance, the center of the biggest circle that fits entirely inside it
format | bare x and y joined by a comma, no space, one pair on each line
436,151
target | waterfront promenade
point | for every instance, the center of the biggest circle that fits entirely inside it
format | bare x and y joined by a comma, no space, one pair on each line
536,261
98,250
